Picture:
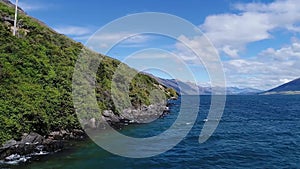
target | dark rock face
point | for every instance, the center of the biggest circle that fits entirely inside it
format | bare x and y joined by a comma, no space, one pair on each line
144,114
34,143
75,134
110,117
32,138
27,145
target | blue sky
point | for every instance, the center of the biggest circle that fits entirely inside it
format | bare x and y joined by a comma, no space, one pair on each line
258,41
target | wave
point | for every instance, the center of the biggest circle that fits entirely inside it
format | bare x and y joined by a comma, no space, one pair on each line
15,159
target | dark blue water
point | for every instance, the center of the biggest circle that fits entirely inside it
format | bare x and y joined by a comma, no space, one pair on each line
254,132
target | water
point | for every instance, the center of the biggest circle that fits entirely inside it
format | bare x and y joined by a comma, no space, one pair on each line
254,132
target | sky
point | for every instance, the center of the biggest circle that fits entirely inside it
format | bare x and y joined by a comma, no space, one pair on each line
257,41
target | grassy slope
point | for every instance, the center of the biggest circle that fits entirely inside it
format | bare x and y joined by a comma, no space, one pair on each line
36,79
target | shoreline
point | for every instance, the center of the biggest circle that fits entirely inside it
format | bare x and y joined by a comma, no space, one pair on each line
32,145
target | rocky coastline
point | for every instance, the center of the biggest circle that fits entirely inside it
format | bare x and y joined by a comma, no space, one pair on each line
33,144
144,114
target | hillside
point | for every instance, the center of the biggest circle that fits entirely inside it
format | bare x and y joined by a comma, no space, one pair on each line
36,69
179,86
292,87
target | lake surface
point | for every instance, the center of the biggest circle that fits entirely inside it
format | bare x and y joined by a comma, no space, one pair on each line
254,132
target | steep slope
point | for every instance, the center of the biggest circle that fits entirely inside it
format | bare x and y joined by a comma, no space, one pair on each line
36,69
242,91
292,87
179,86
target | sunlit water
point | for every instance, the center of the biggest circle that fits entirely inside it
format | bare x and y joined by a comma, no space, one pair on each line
254,132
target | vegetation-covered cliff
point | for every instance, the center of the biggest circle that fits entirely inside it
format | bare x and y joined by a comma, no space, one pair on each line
36,69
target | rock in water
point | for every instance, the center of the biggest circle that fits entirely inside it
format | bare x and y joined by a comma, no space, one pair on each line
31,143
32,138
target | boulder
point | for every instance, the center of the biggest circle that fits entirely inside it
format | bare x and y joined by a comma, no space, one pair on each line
77,134
32,138
107,113
110,117
59,135
9,143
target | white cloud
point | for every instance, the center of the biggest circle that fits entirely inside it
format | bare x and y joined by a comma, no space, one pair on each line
267,69
154,54
231,52
105,40
28,7
73,30
236,30
195,50
282,13
127,36
230,33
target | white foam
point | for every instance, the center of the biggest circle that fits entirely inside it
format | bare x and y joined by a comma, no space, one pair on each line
216,120
41,153
15,159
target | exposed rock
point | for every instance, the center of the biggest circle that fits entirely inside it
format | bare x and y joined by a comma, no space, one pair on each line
74,134
9,143
77,134
112,119
32,138
58,135
107,113
145,114
34,143
26,146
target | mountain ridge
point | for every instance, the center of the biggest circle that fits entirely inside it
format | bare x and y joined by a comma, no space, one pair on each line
191,88
292,87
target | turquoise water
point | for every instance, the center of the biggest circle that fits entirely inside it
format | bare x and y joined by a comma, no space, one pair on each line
254,132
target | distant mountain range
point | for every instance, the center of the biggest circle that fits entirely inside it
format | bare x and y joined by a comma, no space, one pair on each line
188,88
292,87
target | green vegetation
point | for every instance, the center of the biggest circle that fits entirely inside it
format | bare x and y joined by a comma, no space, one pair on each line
36,70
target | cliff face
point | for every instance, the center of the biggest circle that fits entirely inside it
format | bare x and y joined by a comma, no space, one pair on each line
36,69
